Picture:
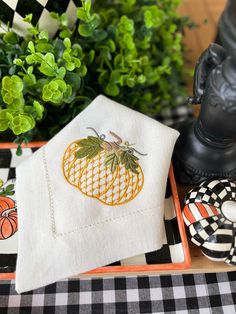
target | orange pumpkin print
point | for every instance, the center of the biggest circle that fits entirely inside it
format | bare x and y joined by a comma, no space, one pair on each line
8,213
8,223
6,203
106,170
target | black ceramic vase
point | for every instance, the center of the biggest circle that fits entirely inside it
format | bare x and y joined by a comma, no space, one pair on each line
227,28
206,147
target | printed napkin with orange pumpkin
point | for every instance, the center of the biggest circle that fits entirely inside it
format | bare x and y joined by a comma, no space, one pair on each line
93,195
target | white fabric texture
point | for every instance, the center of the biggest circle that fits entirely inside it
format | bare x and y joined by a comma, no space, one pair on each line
78,213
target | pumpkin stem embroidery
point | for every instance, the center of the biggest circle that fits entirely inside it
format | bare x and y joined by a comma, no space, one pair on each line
119,140
104,169
115,153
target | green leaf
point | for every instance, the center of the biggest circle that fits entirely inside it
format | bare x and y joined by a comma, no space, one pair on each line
85,30
18,62
82,71
9,187
90,56
44,35
55,15
12,70
50,59
112,45
115,77
112,161
11,38
61,72
95,21
65,33
7,98
73,79
66,55
21,123
81,14
12,87
11,193
103,77
34,31
28,18
48,65
90,140
31,59
87,5
64,20
6,83
3,125
44,47
39,109
77,62
128,40
83,152
17,84
99,34
30,70
67,42
29,79
67,94
31,47
141,79
70,66
112,89
19,150
126,25
90,147
9,116
129,161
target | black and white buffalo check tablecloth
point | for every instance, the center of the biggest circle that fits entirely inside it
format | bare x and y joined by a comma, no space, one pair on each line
183,294
199,293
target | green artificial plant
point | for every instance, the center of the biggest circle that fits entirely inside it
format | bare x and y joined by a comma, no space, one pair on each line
129,50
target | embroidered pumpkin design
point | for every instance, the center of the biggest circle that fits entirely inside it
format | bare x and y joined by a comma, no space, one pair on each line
8,213
106,170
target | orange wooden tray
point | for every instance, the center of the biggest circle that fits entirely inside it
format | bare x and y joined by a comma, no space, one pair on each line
167,267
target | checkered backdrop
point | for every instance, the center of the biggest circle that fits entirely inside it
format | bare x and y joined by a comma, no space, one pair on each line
13,11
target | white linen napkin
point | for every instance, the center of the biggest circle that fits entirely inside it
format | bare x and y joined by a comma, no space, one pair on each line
94,194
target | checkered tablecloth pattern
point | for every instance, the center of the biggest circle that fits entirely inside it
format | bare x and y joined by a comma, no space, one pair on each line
199,293
170,116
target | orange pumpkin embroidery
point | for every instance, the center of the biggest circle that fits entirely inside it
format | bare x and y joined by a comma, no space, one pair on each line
8,213
106,170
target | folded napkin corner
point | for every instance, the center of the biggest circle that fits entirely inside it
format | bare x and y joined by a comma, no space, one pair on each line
93,195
